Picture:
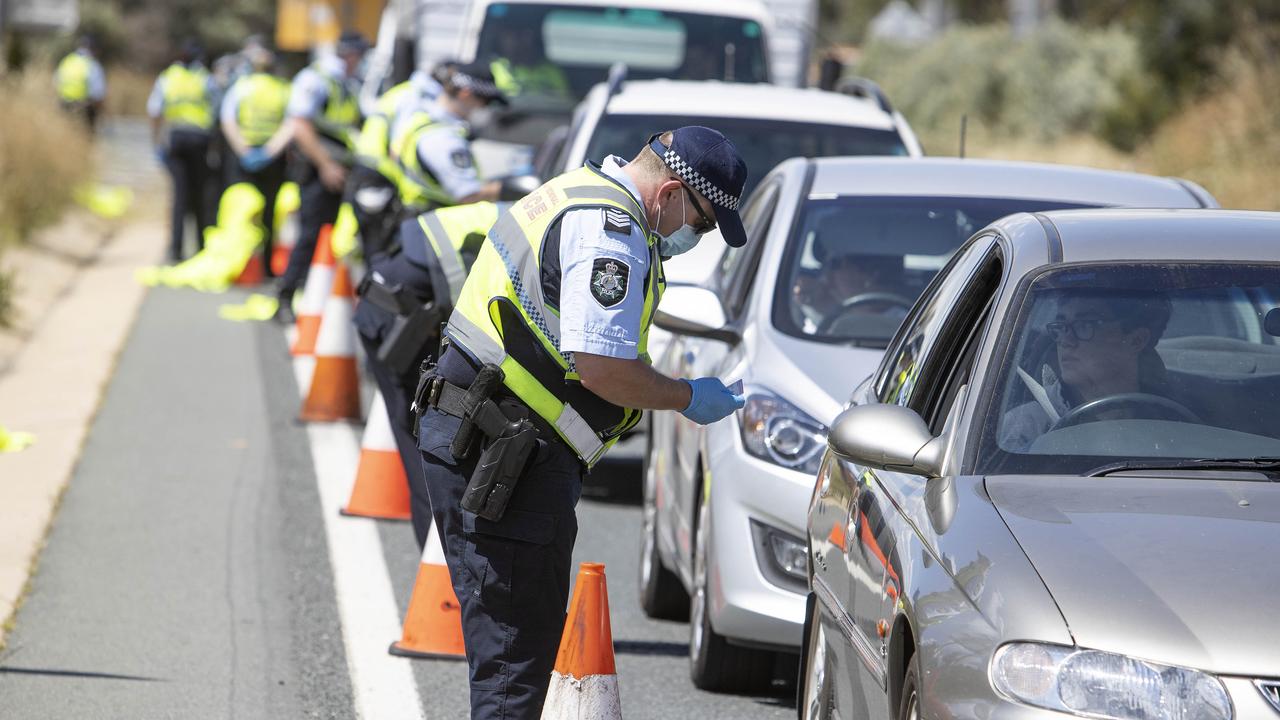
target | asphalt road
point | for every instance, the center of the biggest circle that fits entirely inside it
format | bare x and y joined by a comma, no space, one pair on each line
188,573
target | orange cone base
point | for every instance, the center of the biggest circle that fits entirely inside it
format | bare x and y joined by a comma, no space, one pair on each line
433,625
308,330
381,490
335,391
253,273
279,259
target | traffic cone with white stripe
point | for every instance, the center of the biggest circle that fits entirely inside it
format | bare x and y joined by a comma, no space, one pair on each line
253,273
381,489
584,684
314,295
433,624
335,384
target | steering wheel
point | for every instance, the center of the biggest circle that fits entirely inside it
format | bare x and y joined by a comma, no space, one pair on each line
1163,405
847,306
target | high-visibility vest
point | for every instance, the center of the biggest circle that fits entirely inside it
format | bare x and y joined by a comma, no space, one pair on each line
502,316
515,80
186,96
263,99
445,243
341,114
374,143
418,185
73,78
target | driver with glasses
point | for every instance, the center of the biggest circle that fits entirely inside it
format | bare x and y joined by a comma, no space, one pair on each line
1107,363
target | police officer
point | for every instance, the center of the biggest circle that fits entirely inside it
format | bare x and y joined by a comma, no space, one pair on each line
180,104
80,82
434,146
545,367
324,116
252,120
370,209
404,300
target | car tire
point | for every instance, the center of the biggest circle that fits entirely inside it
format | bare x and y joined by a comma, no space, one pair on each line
662,596
813,691
715,664
909,706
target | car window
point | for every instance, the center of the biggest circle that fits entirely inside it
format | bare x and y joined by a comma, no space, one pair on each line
897,380
737,265
1130,361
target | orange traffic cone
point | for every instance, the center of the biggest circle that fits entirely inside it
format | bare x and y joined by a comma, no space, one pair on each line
280,257
318,288
253,273
381,489
433,625
584,683
285,220
335,384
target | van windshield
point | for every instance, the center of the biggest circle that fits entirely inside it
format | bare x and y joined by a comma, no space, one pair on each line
544,55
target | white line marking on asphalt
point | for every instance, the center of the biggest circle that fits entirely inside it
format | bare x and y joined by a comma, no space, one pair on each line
383,685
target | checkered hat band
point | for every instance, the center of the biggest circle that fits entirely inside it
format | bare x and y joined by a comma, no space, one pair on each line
699,183
479,87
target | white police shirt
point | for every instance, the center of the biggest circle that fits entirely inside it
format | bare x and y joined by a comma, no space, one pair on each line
310,89
445,150
604,261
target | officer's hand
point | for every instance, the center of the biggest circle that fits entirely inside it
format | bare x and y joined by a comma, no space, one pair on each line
711,401
161,154
254,160
333,176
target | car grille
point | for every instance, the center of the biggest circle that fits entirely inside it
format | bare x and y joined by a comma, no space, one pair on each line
1270,690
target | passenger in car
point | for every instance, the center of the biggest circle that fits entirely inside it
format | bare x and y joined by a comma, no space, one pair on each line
1105,342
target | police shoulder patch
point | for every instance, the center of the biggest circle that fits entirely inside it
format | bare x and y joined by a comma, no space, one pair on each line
617,221
609,280
462,158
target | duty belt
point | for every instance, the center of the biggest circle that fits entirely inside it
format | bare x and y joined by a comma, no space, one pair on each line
488,414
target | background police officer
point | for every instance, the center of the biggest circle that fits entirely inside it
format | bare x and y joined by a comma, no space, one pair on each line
324,116
560,298
81,83
181,111
404,300
252,120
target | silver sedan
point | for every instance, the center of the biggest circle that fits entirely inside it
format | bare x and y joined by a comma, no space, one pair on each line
1058,494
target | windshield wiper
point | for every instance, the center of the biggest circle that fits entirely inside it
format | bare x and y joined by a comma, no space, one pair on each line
1265,464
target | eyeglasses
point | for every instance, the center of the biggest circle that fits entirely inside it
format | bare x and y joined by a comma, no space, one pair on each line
705,224
1082,329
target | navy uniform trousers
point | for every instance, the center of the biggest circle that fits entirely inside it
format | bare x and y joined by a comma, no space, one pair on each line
319,208
373,324
511,576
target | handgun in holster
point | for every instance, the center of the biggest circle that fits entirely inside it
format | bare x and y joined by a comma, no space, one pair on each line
416,324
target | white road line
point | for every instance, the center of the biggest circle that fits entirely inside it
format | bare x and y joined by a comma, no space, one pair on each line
383,685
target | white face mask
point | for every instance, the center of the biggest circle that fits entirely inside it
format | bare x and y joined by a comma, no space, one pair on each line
680,241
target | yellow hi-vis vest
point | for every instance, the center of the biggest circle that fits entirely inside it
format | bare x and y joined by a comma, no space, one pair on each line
186,96
446,242
263,99
502,316
341,113
418,186
73,78
373,147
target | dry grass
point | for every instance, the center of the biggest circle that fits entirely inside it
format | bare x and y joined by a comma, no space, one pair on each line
127,91
44,155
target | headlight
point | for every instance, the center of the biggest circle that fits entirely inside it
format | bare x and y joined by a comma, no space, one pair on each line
1105,685
775,430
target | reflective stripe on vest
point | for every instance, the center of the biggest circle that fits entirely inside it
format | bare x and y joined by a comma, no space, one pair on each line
262,106
73,78
502,316
417,185
186,97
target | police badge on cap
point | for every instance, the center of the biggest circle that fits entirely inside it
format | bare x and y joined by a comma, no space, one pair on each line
609,281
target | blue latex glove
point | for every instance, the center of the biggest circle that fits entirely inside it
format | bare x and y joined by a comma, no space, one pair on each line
711,401
255,159
162,155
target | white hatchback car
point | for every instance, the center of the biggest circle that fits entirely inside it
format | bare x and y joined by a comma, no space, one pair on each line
838,250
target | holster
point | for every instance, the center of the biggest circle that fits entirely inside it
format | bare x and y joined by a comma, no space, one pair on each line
414,327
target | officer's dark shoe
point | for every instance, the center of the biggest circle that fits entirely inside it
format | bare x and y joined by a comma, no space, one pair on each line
284,313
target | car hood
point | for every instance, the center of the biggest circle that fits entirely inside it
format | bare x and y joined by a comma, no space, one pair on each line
1175,570
816,377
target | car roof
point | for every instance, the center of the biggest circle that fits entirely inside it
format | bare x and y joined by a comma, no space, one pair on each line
1120,235
955,177
712,98
753,9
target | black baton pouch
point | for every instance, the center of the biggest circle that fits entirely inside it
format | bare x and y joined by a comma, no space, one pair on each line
498,470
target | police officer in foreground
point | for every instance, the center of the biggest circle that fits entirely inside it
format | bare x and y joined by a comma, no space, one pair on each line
545,367
404,300
324,116
181,110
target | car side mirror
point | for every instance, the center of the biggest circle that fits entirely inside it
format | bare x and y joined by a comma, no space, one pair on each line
695,311
887,437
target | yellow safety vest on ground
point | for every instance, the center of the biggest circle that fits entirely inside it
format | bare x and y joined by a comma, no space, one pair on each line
447,241
341,116
515,80
72,78
418,186
186,96
263,99
503,318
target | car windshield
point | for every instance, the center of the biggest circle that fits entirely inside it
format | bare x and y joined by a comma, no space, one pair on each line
1122,363
552,54
856,265
762,143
